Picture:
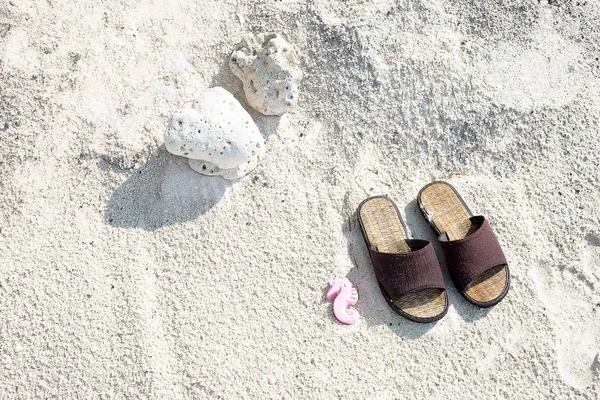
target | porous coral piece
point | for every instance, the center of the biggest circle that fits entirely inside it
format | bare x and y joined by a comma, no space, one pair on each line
267,66
217,135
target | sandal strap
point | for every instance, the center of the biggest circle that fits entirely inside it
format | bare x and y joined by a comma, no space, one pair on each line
403,273
473,255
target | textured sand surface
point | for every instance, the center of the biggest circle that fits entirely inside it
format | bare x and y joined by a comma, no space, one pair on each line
124,274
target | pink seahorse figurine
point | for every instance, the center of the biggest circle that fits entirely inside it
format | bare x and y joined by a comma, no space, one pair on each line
345,295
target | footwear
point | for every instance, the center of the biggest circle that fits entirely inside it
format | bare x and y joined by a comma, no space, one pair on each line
407,270
474,257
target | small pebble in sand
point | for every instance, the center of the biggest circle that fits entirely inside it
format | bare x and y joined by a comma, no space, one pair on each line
267,66
217,135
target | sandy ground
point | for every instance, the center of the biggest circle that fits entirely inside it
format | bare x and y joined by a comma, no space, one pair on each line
124,274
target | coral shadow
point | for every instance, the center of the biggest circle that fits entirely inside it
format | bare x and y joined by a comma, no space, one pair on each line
163,192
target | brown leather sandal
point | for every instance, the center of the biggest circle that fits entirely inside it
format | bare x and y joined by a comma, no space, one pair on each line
474,257
407,270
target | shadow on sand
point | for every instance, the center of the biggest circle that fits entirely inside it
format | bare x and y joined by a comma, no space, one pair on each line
163,192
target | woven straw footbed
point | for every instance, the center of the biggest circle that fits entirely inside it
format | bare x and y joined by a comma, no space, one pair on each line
384,230
448,214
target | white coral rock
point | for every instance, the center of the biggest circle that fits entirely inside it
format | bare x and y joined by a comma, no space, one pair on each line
267,66
217,135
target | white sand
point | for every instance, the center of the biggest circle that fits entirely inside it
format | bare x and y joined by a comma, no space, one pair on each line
124,274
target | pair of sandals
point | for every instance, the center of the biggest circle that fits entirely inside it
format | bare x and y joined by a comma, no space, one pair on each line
408,271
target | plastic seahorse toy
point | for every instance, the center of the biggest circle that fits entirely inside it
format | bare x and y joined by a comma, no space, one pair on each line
345,295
